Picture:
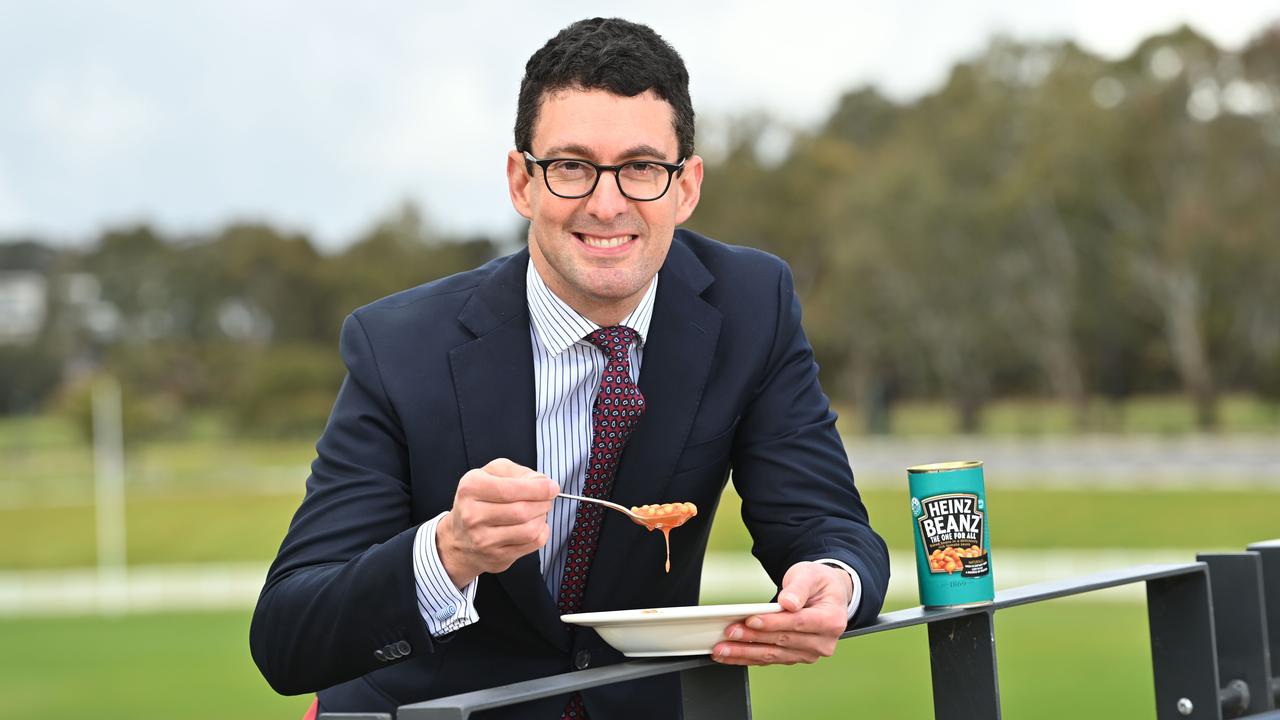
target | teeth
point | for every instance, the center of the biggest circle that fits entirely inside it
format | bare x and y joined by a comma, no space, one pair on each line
596,242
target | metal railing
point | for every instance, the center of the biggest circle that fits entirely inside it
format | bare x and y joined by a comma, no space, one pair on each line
1213,638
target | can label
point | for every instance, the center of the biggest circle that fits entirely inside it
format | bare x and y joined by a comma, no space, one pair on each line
951,529
953,547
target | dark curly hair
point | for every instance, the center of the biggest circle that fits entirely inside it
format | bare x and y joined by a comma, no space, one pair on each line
622,57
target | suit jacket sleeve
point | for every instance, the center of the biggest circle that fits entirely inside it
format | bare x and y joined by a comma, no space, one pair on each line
790,467
342,585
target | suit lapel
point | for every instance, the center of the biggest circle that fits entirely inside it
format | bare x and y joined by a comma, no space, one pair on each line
678,356
493,378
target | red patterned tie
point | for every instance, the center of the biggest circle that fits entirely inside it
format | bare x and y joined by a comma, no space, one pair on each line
617,409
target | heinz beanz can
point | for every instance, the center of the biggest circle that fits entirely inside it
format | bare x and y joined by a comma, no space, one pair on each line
953,550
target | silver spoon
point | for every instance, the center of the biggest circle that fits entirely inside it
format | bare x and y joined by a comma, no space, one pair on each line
606,503
649,521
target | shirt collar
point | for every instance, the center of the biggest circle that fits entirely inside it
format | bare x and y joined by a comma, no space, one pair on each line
558,326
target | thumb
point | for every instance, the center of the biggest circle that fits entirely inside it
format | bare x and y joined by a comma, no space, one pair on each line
553,488
798,585
502,467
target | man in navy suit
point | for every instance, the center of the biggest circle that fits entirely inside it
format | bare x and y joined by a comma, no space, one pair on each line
431,555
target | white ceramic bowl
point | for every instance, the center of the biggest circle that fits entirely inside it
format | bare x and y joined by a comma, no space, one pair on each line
655,632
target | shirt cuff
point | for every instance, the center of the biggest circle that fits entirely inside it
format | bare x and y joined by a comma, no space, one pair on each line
443,606
857,584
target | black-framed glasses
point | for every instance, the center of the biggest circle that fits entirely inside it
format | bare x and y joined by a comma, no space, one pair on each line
573,178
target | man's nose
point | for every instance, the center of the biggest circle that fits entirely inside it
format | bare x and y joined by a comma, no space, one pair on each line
607,201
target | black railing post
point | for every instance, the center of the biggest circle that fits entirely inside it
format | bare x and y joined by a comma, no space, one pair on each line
1184,660
1269,554
962,658
1240,629
716,692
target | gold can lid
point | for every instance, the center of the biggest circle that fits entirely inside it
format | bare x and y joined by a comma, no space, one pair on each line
945,466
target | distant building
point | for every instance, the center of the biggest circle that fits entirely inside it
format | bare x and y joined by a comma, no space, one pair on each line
24,303
82,296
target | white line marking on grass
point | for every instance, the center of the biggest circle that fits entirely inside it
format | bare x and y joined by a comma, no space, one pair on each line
726,577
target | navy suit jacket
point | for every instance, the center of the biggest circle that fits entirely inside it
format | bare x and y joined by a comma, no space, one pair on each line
440,380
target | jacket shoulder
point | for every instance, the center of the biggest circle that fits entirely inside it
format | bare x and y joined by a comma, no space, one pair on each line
722,258
438,291
437,301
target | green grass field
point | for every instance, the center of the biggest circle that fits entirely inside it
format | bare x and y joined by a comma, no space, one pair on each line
1039,519
148,666
210,499
237,527
1156,415
1057,660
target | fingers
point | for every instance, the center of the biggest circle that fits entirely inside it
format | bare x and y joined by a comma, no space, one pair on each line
774,648
814,599
802,629
789,638
822,621
499,514
501,546
758,655
502,511
825,617
469,545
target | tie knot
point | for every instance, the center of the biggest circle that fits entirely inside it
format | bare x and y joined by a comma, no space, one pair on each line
613,340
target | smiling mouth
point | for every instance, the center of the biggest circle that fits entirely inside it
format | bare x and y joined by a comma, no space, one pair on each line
604,243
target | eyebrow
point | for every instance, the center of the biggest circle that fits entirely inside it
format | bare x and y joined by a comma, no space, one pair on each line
575,150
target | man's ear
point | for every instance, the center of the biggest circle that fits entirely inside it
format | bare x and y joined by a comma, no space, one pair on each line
519,183
688,188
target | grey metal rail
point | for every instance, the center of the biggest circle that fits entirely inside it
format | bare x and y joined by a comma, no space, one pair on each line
1212,644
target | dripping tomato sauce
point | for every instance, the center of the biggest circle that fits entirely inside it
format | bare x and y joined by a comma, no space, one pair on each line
664,517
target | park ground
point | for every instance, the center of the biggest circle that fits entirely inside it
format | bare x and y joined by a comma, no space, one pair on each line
1060,505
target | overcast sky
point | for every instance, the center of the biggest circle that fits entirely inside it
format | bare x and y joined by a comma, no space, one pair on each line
322,116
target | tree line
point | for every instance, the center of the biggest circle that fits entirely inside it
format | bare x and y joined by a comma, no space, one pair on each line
243,321
1047,223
